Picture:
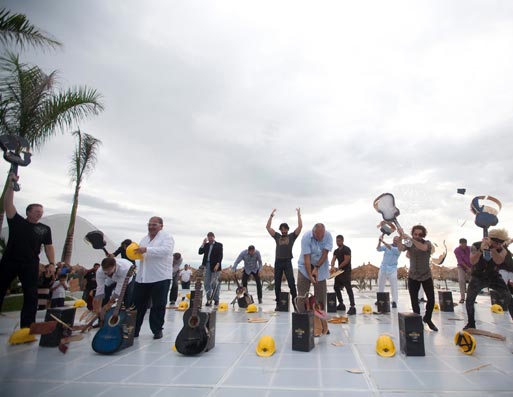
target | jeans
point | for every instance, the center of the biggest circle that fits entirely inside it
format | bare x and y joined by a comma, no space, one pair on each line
429,289
344,281
211,277
284,266
476,284
255,275
157,291
28,275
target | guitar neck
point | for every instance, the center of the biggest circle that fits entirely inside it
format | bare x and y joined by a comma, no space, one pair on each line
487,255
197,296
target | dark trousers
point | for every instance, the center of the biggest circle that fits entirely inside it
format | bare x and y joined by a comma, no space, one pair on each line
157,291
284,266
57,302
344,281
173,294
429,290
28,275
255,275
186,284
496,283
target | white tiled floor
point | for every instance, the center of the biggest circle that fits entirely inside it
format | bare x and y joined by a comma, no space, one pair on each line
232,368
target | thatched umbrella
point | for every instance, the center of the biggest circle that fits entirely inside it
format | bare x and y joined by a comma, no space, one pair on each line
402,274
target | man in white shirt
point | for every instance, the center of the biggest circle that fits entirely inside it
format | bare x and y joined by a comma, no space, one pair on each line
109,281
154,276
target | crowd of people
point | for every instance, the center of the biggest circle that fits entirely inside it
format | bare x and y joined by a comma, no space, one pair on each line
154,281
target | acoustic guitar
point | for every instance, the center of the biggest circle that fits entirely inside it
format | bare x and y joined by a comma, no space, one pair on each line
194,336
241,295
109,337
385,205
486,216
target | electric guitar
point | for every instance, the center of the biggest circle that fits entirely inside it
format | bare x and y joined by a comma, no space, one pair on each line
109,337
194,336
486,216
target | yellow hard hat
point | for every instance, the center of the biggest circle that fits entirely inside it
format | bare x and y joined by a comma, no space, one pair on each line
188,295
21,336
183,306
130,252
80,303
436,308
465,341
223,306
367,309
385,346
252,308
266,346
497,309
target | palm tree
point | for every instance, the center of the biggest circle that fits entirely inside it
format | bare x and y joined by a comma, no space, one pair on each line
82,163
31,107
15,28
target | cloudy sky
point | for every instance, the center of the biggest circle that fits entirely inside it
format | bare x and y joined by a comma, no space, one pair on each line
217,112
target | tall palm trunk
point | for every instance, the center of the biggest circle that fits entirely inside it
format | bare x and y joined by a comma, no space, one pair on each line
2,209
67,249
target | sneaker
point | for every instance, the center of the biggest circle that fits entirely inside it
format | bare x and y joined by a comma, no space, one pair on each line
462,300
394,305
341,307
260,301
351,311
208,304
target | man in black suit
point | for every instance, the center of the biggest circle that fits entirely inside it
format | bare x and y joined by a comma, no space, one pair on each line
212,252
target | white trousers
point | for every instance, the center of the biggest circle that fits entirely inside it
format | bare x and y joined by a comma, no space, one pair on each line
392,279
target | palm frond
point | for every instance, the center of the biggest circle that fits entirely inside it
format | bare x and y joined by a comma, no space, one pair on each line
85,156
16,28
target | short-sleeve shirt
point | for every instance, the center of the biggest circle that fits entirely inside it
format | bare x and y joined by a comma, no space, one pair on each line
314,248
284,245
25,240
419,263
340,253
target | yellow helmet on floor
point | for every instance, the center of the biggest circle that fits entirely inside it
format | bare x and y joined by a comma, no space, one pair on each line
183,306
465,341
21,336
367,309
497,309
266,346
188,295
436,308
252,308
80,303
385,346
223,306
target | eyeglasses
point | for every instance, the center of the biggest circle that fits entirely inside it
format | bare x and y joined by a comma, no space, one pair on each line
154,224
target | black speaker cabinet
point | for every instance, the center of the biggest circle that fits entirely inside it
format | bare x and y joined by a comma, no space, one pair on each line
211,326
303,331
497,300
332,302
65,314
383,299
411,334
445,301
283,303
128,329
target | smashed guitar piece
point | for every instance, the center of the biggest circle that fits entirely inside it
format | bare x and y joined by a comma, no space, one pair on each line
339,320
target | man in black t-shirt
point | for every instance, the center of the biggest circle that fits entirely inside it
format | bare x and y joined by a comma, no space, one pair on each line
283,261
90,286
343,255
485,272
21,256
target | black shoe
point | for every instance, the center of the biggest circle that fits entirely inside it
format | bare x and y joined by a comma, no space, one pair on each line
462,300
341,307
260,301
208,304
158,335
351,311
470,325
136,334
430,324
277,309
216,303
421,300
172,303
394,305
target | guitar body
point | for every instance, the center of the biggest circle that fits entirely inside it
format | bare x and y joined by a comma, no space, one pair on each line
194,336
109,337
385,205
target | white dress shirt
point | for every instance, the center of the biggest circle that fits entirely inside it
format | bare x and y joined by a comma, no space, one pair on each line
102,280
157,264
